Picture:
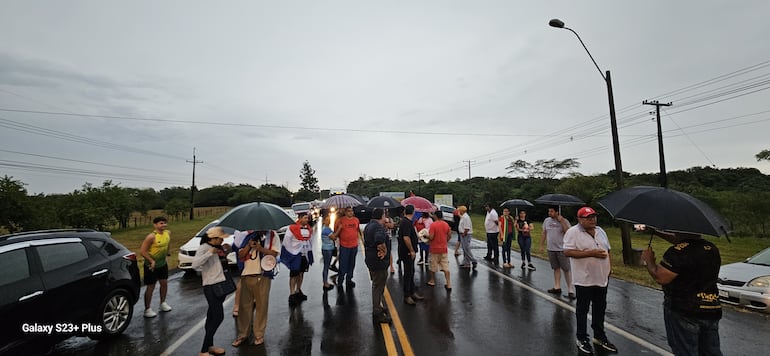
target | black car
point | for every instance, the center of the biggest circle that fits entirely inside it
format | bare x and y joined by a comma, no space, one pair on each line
59,283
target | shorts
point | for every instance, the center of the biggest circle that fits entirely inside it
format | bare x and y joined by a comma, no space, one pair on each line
559,260
152,276
439,262
303,267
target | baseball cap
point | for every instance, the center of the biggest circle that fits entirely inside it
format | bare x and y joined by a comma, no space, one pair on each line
585,212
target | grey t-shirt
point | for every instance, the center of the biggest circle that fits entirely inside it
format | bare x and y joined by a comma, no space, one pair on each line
554,234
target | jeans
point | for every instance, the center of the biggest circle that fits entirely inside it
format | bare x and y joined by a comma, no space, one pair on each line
596,298
409,287
691,336
379,278
525,243
214,316
492,250
507,247
327,255
347,258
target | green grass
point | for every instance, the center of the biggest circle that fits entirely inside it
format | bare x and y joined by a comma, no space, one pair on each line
737,250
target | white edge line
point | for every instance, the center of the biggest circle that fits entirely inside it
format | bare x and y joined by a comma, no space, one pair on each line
190,332
615,329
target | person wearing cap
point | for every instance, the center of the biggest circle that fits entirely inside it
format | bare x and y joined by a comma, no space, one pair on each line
465,228
688,273
588,248
207,260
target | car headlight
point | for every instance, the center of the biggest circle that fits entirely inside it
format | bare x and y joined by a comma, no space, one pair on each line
760,282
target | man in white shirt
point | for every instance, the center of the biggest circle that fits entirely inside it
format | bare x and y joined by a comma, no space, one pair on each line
588,248
490,225
465,230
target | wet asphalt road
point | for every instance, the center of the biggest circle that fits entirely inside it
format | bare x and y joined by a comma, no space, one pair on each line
489,310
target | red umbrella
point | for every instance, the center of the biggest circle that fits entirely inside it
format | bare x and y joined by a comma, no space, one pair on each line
420,204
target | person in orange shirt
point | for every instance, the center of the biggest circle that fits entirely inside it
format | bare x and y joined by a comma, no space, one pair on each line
347,230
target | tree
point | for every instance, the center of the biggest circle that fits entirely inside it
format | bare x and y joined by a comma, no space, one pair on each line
763,156
176,207
543,168
13,204
307,176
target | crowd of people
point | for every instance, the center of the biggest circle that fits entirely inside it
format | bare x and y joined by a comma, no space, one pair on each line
581,253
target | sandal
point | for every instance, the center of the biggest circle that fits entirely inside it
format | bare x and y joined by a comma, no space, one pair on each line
430,284
237,342
235,313
216,350
259,341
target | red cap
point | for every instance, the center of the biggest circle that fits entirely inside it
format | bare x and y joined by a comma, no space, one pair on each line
585,212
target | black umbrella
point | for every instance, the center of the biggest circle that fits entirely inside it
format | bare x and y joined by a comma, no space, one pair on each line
560,199
516,204
256,216
665,210
384,202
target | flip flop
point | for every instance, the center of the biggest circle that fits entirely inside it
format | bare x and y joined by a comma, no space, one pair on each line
238,341
430,284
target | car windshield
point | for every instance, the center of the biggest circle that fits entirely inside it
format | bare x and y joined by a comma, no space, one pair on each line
301,207
762,258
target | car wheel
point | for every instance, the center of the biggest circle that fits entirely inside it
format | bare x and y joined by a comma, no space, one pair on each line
114,314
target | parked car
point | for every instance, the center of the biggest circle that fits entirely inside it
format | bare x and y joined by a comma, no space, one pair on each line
447,213
187,251
64,279
747,283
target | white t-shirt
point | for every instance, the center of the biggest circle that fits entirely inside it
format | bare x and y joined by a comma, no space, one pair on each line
465,223
588,271
490,222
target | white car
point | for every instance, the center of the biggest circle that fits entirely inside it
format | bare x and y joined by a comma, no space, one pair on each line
747,283
187,251
447,214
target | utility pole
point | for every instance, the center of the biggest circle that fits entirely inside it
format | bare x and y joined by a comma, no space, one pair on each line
469,168
663,177
192,187
419,182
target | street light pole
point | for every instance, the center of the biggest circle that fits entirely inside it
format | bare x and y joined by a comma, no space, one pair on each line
625,233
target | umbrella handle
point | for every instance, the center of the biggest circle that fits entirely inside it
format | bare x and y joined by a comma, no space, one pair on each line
649,244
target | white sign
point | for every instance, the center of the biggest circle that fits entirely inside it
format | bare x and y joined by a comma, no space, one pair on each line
443,199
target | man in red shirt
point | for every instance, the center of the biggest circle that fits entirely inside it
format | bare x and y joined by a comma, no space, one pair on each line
440,232
347,230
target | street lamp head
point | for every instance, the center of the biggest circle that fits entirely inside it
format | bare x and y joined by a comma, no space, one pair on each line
556,23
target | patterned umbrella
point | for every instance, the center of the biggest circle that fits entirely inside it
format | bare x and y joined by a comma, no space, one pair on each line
420,204
340,202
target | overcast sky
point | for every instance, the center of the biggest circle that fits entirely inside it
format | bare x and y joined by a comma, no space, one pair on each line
97,90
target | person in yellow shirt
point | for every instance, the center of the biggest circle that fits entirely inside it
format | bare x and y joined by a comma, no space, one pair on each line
155,250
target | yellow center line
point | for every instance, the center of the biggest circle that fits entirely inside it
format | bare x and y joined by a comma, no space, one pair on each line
390,345
403,339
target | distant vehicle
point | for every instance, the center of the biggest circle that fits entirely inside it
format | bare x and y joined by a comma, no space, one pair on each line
447,214
66,277
311,208
337,191
747,283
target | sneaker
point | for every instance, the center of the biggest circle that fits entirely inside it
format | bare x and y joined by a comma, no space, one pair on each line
383,318
523,265
585,346
333,268
605,344
350,284
149,313
164,307
409,301
531,266
555,291
571,296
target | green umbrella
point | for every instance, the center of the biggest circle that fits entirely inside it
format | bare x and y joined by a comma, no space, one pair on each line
256,216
